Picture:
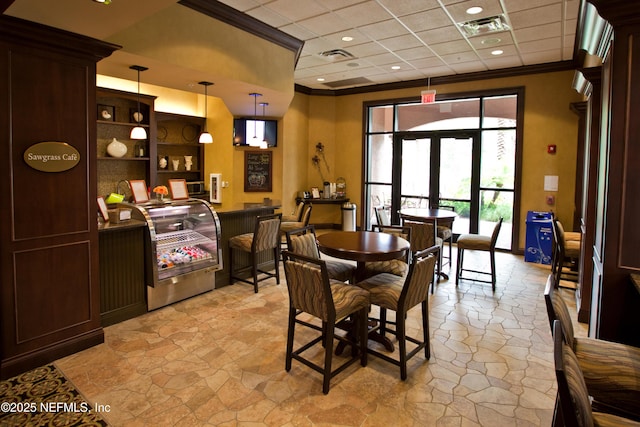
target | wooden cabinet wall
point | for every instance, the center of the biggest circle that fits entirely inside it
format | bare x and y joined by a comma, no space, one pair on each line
169,136
615,302
49,290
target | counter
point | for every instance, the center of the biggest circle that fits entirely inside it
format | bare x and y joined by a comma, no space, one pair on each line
121,266
240,219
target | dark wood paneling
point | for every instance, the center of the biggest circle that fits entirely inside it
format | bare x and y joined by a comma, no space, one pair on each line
49,289
52,291
122,286
616,243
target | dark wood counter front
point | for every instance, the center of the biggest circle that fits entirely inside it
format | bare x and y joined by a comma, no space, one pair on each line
122,285
240,219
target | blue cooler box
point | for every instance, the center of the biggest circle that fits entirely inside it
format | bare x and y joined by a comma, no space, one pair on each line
539,239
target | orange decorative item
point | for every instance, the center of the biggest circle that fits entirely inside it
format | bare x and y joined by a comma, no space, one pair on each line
160,191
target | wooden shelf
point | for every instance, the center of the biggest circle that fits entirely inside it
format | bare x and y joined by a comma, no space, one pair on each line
146,159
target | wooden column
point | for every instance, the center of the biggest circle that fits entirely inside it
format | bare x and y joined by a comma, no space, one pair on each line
49,287
616,247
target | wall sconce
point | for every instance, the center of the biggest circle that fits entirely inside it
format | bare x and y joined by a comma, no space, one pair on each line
138,132
205,137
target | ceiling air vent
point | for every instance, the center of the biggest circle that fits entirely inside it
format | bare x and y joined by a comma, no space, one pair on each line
356,81
482,26
335,55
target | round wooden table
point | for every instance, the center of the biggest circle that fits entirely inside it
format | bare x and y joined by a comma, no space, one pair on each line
362,247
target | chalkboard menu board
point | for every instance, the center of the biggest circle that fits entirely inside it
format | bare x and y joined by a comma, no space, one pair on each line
257,171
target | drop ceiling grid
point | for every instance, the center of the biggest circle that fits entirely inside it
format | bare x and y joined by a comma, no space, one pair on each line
421,36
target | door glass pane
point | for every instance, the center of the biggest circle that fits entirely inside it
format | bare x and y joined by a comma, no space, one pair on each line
444,115
500,111
381,119
416,155
378,195
380,158
455,168
497,165
496,204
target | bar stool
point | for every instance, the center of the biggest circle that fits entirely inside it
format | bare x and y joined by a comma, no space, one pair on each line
479,243
265,237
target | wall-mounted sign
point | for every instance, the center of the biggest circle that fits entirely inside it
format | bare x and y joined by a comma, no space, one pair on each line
428,96
52,156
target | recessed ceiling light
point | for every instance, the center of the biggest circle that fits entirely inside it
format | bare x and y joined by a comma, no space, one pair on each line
103,1
320,79
474,10
395,67
497,52
491,41
347,39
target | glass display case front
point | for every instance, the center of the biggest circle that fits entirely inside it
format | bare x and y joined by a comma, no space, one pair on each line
182,251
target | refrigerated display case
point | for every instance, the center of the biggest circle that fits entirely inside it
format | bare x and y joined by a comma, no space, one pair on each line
182,249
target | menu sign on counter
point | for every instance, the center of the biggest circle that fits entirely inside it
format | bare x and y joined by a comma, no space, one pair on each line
257,171
52,156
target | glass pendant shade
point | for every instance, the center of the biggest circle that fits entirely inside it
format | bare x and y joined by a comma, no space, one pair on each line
254,142
205,137
138,132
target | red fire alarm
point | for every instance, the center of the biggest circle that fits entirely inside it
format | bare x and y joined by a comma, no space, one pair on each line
551,149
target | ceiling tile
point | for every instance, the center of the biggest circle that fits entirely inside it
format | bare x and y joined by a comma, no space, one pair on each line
541,45
450,47
539,32
384,29
537,16
439,35
268,16
401,42
422,21
458,11
364,13
327,23
291,10
460,57
414,53
407,7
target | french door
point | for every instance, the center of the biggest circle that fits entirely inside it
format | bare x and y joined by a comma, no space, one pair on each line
433,169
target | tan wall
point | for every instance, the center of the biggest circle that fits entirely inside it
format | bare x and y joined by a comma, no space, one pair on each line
337,122
548,120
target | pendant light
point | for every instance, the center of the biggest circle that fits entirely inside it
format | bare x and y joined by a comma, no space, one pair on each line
254,142
264,144
205,137
138,132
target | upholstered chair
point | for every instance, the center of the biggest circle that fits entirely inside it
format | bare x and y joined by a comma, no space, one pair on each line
399,267
423,236
294,225
266,237
478,242
303,242
566,255
295,215
611,370
329,301
573,405
445,231
391,292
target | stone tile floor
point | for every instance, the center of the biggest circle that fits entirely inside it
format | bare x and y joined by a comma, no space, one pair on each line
218,359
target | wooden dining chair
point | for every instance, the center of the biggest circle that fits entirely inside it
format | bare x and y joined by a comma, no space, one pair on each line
303,221
445,231
573,403
423,236
478,242
266,237
391,292
303,241
399,267
312,292
611,370
295,215
566,256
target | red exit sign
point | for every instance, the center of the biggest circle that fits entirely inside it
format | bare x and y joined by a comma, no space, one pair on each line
428,96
